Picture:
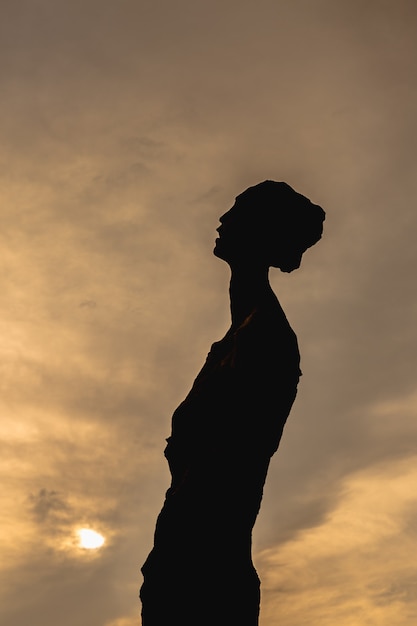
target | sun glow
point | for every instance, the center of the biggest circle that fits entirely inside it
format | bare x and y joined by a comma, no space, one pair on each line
90,539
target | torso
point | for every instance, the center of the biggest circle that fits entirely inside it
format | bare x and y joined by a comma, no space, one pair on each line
241,398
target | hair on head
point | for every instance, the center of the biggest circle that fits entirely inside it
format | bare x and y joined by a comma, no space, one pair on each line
282,207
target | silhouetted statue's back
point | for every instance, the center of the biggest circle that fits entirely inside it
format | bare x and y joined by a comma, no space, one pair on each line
224,433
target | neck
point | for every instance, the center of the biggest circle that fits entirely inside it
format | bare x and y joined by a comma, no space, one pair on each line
249,288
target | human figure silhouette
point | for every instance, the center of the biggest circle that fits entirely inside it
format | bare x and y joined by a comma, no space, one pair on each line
200,571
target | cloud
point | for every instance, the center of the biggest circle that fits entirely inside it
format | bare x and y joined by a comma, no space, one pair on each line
47,504
128,129
124,621
354,565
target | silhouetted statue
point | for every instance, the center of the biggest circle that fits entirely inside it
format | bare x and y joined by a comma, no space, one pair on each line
200,571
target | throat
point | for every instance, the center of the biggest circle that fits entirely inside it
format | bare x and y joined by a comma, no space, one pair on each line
249,291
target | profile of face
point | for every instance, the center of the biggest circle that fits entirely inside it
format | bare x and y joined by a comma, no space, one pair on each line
235,241
266,227
242,237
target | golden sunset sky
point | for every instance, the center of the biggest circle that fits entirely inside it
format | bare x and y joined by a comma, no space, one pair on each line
127,129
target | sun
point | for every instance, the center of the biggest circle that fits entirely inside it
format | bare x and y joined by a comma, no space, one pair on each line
90,539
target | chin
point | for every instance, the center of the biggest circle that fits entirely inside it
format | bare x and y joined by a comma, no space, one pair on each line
217,252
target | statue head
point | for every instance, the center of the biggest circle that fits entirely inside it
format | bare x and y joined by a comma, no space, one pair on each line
269,224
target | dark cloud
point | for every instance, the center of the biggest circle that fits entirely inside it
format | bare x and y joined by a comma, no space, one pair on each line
47,506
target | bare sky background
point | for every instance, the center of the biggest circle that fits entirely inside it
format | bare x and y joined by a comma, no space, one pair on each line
127,129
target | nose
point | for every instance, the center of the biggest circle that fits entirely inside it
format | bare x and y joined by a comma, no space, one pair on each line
224,223
222,228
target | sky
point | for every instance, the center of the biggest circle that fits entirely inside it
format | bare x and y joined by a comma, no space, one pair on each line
127,128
